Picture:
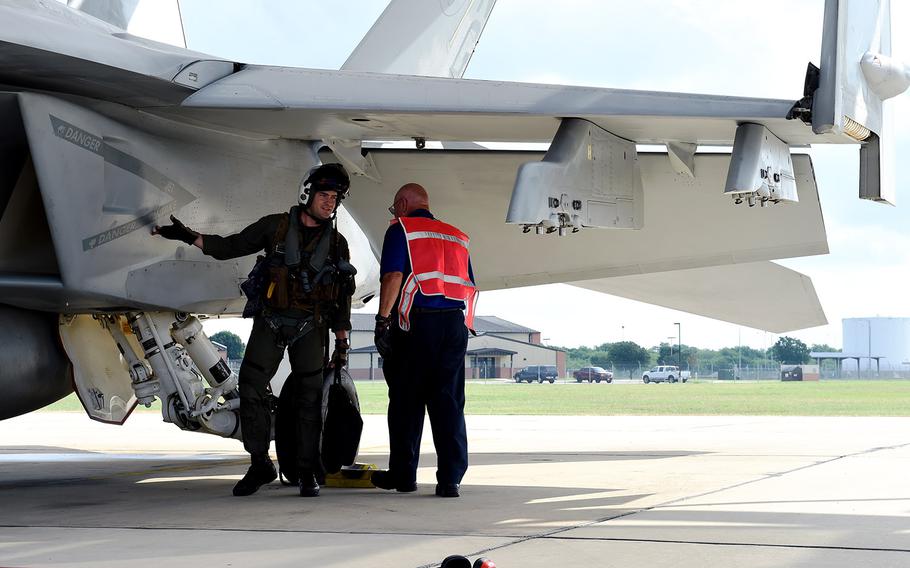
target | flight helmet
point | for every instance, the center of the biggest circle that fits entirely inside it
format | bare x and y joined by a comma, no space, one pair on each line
325,177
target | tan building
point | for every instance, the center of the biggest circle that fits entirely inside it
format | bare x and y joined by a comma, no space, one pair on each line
499,350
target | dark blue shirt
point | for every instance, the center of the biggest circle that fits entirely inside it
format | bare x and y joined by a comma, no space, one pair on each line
395,259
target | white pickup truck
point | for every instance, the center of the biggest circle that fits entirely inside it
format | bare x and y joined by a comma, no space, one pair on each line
664,373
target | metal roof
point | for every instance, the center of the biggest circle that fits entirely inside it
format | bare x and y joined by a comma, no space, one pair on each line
491,352
839,355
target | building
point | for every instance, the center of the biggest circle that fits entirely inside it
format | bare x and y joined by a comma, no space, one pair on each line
881,343
221,349
499,350
872,346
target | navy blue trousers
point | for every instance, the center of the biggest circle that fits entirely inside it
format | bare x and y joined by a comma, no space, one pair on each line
426,374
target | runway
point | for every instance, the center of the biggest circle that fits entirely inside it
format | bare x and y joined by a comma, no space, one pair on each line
540,491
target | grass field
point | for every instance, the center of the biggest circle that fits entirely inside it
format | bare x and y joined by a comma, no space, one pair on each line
771,398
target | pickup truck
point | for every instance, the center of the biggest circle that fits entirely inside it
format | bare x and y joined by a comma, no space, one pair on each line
664,373
539,373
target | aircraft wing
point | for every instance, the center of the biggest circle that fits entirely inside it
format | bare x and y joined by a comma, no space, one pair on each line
696,252
315,104
739,294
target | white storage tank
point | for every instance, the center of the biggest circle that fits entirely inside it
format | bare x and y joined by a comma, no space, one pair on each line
888,338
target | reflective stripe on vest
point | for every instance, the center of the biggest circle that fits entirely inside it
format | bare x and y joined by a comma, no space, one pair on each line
439,266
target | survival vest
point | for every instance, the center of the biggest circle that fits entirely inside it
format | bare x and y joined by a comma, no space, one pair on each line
439,266
307,278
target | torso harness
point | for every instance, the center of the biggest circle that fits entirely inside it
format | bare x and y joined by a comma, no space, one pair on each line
439,267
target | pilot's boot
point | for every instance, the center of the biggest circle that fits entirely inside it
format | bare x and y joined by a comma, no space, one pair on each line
308,485
261,471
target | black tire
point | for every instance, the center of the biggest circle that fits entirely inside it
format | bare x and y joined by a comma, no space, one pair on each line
518,380
577,380
610,379
552,381
671,379
646,379
596,380
540,380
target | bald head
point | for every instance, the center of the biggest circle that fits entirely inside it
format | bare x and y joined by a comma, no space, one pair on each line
409,198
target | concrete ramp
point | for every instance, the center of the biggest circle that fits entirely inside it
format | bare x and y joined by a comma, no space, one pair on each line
541,491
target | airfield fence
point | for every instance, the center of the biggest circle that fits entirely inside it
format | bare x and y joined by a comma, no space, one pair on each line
767,372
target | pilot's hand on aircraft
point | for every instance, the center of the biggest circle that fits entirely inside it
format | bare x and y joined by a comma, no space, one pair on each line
382,335
177,231
340,355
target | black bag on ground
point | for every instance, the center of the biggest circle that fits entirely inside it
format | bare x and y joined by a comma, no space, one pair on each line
341,421
341,429
284,421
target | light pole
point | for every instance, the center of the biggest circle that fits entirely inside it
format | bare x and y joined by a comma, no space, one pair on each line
678,345
869,344
739,365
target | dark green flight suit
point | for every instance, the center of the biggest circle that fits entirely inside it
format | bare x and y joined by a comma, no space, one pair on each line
302,326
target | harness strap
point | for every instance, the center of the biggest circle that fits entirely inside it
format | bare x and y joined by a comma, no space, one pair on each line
292,239
288,330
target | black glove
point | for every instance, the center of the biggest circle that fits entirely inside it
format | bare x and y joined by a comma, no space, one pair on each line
176,232
340,355
382,335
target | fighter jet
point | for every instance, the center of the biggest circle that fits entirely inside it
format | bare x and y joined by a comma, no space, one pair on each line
105,134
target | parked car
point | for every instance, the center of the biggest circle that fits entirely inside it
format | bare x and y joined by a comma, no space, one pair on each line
664,373
539,373
593,375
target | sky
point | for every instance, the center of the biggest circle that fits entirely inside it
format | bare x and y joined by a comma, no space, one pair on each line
745,48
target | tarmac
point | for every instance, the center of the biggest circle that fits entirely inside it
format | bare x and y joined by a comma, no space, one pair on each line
540,491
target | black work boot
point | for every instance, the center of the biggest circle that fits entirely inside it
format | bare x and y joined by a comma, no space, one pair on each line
261,471
308,485
447,490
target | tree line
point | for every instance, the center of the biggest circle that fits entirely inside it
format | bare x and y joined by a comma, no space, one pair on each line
787,350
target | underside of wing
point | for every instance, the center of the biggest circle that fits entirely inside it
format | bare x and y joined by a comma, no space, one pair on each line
316,104
687,222
761,295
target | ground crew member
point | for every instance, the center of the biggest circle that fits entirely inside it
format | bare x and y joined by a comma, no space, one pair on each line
421,332
307,283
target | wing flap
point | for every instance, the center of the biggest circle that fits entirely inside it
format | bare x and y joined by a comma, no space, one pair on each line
761,295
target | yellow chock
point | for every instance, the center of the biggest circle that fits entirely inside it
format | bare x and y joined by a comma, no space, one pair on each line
355,475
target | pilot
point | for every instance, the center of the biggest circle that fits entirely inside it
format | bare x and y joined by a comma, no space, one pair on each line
304,288
422,334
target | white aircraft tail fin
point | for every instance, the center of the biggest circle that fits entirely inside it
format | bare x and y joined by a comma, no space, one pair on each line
416,37
158,20
856,77
115,12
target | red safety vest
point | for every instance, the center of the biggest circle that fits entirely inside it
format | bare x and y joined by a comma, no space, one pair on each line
439,266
